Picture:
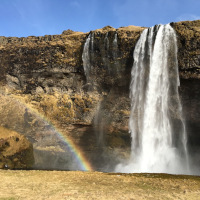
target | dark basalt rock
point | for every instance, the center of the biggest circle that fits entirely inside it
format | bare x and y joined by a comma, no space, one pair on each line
188,35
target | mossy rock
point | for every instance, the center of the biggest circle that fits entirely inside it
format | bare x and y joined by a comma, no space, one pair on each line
16,152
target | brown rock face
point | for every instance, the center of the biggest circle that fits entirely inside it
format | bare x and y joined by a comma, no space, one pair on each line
43,85
188,48
46,74
16,152
188,35
42,64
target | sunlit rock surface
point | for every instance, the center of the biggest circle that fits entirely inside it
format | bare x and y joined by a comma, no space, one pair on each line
16,152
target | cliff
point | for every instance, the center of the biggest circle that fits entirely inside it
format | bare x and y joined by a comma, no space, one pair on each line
188,48
44,86
188,35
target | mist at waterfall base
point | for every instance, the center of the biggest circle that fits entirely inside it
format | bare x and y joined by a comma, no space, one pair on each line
159,145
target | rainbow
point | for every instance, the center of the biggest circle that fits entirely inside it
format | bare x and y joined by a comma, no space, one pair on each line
81,160
83,163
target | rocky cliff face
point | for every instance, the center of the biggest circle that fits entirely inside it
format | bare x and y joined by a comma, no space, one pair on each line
43,80
188,48
189,68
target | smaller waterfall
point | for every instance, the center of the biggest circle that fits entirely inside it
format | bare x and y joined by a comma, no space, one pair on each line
115,47
115,41
115,53
109,55
88,55
100,53
105,54
92,42
106,42
158,146
99,126
88,60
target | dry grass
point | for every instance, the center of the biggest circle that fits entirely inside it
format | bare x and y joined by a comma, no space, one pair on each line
132,28
95,185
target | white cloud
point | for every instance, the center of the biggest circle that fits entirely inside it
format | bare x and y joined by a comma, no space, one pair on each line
188,17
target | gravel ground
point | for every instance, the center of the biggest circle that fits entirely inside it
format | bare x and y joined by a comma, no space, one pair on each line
57,185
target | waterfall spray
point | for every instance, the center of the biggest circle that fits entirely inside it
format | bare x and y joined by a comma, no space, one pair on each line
158,146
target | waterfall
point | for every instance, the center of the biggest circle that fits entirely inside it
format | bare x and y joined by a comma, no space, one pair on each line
115,54
99,125
100,53
115,47
88,55
109,55
106,42
156,124
115,41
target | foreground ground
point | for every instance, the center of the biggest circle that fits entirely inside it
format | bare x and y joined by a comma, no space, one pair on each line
57,185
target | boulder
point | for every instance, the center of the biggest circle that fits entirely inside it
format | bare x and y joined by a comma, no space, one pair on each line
16,152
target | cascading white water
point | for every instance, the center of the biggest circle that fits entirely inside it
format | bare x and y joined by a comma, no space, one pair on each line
158,146
115,44
86,57
92,42
106,42
115,47
115,53
108,51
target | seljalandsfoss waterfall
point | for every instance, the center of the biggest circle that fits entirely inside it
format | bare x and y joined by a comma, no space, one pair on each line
111,100
159,145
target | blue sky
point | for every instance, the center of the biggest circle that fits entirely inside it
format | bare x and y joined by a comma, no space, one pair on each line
23,18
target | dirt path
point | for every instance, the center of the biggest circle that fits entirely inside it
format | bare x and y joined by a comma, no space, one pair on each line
58,185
